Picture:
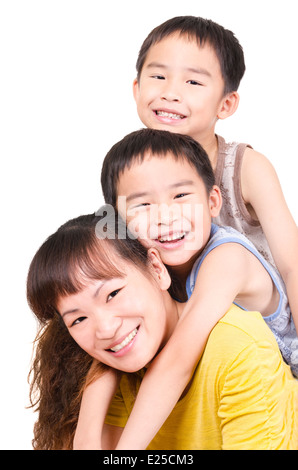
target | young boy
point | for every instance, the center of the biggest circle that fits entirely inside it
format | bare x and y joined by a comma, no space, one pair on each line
188,73
167,184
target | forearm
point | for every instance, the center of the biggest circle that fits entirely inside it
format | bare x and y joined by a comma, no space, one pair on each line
94,406
163,385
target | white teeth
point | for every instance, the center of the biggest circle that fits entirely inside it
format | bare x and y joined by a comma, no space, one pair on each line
169,115
125,341
174,236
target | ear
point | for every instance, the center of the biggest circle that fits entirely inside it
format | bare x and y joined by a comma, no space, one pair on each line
160,272
215,201
135,89
229,105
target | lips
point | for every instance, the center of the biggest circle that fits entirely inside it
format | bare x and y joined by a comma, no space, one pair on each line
172,238
172,241
169,115
116,347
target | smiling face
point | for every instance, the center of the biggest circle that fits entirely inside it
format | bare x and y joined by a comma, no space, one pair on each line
167,206
181,88
123,321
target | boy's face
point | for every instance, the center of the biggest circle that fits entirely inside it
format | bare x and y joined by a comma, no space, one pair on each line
167,207
181,88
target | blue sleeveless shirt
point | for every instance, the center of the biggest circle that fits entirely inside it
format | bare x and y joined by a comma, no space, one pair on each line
280,322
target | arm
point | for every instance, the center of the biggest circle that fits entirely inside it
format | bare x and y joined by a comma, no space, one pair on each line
94,406
262,191
170,372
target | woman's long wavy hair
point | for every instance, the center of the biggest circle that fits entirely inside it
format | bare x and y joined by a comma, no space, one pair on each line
79,251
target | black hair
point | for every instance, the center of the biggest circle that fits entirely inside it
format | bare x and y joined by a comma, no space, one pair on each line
138,144
226,46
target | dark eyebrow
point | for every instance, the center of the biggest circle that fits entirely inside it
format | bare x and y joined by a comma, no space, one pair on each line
171,186
181,183
77,309
197,70
98,289
68,312
136,196
156,64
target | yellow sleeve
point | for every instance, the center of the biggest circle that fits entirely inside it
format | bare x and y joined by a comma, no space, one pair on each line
254,403
117,414
122,403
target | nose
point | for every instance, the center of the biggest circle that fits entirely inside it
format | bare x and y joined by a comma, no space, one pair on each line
171,97
170,92
106,325
165,216
168,214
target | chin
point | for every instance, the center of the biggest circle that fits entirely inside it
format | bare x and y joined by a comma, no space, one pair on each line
137,364
134,368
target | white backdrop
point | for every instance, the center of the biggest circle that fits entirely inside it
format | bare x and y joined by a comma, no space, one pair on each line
67,68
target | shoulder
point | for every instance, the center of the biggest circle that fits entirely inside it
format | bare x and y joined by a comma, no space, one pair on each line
256,165
226,247
251,158
257,174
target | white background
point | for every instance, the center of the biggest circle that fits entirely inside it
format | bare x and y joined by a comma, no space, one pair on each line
66,75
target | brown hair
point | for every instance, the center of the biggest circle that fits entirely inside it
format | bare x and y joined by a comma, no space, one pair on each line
62,265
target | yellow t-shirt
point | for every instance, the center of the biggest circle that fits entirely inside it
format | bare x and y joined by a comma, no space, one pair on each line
242,394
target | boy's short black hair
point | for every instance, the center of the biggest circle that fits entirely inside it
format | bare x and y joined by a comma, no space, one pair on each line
226,46
138,144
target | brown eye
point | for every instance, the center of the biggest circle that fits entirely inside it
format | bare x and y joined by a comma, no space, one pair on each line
113,294
78,320
194,82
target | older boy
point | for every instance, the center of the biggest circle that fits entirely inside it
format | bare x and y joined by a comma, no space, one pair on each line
188,73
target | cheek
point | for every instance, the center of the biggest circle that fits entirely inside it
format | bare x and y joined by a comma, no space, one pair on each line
195,216
84,340
147,96
138,224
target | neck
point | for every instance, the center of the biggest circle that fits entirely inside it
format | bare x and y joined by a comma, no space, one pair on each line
211,147
182,271
174,310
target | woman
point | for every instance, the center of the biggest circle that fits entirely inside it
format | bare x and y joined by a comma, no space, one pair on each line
99,296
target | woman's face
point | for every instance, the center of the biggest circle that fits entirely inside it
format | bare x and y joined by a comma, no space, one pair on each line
122,322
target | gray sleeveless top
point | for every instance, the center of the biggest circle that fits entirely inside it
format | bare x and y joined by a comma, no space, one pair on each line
234,212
